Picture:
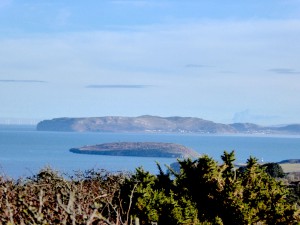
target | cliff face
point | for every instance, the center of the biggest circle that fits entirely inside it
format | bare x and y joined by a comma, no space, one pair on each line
158,124
59,124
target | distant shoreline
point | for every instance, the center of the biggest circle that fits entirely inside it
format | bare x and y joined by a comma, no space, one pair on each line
28,127
156,124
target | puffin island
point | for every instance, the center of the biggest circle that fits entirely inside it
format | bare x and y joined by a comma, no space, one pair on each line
140,149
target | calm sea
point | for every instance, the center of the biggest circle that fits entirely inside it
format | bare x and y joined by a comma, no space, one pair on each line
24,151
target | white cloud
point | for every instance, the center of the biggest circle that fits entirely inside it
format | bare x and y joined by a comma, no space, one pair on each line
156,55
246,48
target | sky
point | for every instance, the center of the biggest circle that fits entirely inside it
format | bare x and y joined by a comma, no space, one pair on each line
221,60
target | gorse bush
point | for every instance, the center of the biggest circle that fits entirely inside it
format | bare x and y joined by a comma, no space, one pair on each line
202,192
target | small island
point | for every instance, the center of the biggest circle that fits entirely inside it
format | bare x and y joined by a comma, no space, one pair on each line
140,149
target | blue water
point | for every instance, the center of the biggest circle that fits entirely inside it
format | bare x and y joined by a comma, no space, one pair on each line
24,151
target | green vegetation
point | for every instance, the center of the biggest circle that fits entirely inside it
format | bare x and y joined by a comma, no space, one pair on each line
274,170
202,192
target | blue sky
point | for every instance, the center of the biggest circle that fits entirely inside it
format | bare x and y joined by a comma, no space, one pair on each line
221,60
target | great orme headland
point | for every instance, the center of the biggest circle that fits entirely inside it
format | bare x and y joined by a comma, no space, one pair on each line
158,124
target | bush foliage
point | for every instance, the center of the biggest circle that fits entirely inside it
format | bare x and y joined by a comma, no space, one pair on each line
202,192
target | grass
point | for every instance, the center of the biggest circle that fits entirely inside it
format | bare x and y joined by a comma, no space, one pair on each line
290,167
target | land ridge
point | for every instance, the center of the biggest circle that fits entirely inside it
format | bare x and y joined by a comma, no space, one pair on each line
156,124
141,149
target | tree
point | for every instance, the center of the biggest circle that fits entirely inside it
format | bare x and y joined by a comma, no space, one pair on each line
274,170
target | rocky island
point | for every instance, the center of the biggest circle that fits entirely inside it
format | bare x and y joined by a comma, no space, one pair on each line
141,149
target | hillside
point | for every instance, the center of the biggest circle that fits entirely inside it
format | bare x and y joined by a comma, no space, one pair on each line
141,149
159,124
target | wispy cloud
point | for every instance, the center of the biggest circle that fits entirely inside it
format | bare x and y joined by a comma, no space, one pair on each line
138,3
118,86
284,71
227,72
22,81
196,66
106,61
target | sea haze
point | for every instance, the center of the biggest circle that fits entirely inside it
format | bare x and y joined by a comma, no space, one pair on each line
24,150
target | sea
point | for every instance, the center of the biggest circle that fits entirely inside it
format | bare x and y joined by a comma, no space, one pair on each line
25,151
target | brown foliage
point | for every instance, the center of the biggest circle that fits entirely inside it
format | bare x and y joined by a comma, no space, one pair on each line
49,198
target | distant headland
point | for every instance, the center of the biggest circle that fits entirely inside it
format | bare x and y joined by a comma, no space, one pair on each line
140,149
156,124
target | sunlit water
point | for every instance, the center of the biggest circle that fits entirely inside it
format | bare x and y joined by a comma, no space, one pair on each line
24,151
